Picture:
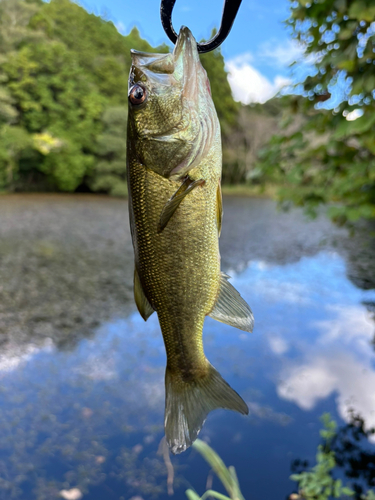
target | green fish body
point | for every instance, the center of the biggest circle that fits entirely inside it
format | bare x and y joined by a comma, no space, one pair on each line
174,171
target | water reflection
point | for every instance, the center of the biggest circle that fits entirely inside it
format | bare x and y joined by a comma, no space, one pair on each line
355,459
354,455
330,335
90,415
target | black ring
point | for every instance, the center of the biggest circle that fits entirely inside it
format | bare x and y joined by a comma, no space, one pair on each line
229,14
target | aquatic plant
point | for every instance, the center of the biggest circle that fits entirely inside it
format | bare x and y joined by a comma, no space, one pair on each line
344,449
318,483
227,476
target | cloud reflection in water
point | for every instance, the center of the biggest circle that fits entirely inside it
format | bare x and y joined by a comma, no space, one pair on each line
322,318
105,397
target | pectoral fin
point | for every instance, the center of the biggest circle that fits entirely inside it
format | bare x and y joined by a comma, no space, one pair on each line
144,307
219,208
173,203
230,308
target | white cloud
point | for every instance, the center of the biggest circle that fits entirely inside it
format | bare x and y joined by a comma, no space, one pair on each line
278,345
323,375
340,361
281,54
350,325
14,355
305,385
291,292
267,413
248,84
98,368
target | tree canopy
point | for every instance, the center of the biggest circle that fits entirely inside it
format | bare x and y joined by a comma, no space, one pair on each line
63,97
326,153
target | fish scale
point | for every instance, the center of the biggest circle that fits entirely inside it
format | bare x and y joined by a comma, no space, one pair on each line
174,170
174,294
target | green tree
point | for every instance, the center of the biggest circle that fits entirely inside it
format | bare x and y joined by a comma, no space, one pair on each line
63,88
13,141
109,173
226,107
330,157
99,48
53,94
8,113
15,16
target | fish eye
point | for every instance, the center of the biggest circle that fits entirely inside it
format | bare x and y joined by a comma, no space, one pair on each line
137,94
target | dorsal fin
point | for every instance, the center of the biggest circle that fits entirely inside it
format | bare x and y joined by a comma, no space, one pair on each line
144,307
173,203
230,307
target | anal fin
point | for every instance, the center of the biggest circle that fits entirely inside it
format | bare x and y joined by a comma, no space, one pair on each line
173,203
230,307
144,307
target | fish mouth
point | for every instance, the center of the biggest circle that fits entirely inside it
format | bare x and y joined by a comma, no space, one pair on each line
187,63
182,65
186,45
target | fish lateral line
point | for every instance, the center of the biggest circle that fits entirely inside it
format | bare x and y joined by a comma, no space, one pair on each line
173,203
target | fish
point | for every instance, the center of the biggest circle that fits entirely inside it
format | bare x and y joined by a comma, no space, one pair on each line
174,164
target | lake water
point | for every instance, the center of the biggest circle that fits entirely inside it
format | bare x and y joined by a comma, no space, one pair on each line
82,375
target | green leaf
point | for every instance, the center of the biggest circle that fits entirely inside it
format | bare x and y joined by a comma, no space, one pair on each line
340,5
369,14
357,9
358,126
345,34
225,476
369,496
369,83
192,495
215,494
337,488
348,492
347,65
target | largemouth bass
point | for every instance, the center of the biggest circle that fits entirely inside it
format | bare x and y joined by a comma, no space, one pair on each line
175,206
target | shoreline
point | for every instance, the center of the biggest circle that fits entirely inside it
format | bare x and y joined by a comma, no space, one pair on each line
253,191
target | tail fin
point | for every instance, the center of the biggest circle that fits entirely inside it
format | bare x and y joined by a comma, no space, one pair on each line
188,404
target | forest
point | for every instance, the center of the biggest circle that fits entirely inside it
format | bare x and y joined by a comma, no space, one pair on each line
63,107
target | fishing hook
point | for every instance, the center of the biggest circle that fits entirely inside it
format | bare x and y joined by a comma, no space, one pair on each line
229,14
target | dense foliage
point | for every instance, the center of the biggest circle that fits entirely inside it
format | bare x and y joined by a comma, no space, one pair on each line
63,97
63,93
328,155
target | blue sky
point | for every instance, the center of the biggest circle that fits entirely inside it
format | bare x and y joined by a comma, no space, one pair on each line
257,51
